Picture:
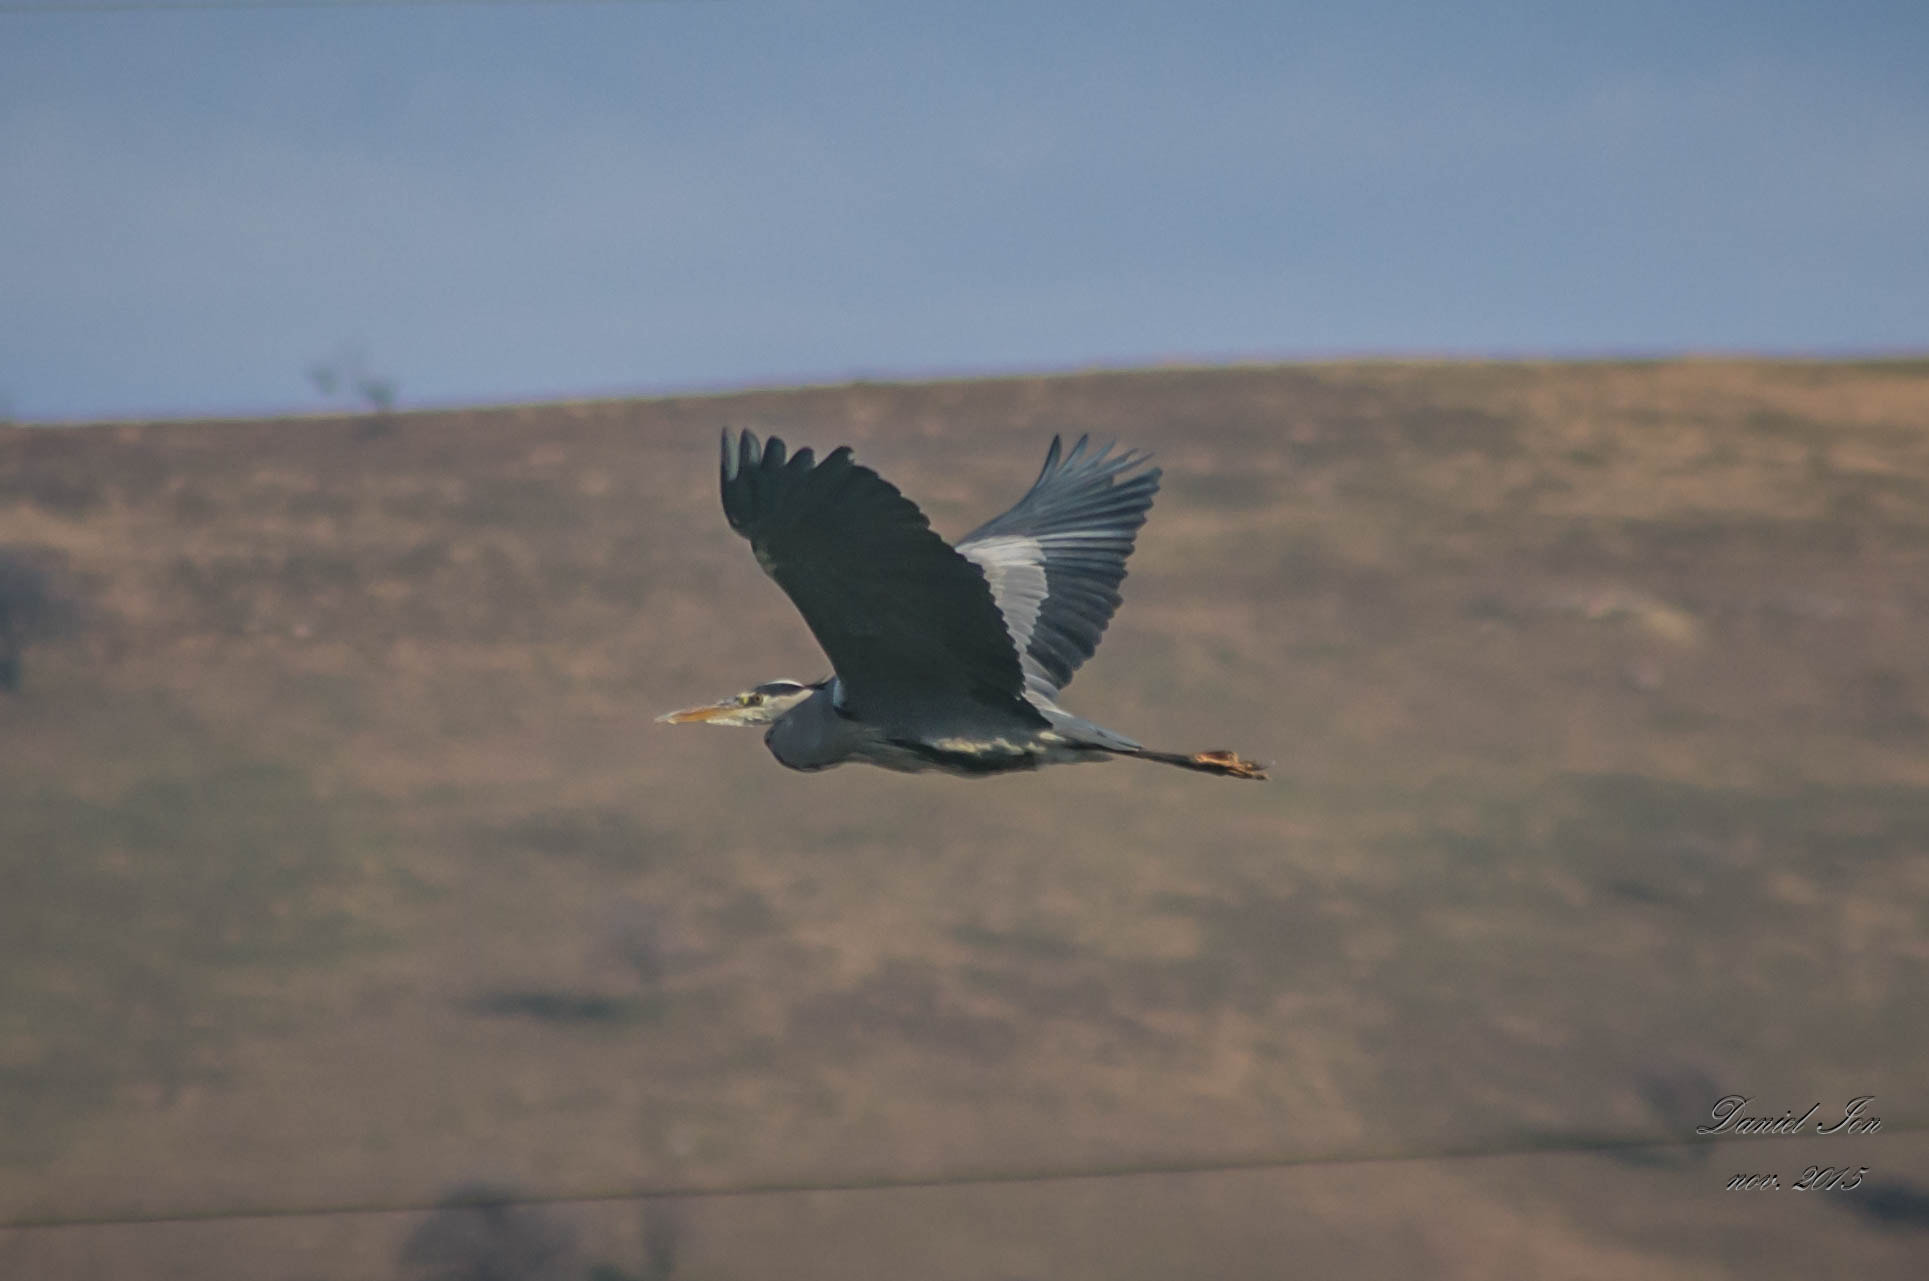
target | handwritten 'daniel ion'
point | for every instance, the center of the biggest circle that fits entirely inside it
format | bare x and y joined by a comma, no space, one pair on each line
1728,1117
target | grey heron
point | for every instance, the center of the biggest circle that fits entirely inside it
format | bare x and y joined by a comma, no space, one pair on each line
946,658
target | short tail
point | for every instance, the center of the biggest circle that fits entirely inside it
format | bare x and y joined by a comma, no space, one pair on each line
1224,764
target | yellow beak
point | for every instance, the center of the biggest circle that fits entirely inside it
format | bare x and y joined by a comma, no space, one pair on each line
694,715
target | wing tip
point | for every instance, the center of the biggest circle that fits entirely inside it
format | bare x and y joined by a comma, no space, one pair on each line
744,453
1100,461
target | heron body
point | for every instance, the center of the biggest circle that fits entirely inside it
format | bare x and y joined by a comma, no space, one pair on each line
815,734
945,657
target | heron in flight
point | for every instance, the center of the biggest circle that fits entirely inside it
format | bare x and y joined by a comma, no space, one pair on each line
944,657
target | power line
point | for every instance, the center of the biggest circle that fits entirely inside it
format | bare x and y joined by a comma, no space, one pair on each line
239,6
1555,1146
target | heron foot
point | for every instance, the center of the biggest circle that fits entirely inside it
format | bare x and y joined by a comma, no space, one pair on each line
1231,764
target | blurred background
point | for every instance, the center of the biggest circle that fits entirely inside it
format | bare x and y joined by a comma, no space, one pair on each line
1544,410
262,205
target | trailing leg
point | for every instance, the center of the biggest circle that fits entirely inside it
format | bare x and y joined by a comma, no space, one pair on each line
1225,764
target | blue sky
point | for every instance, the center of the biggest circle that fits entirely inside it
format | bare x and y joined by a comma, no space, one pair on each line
513,202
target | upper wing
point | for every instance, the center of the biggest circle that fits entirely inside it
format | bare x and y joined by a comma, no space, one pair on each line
907,622
1055,561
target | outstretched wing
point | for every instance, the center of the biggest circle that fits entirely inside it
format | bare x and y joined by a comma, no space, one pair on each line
908,623
1055,561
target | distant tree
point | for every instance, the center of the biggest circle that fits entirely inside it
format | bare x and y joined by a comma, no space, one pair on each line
32,609
346,375
482,1234
662,1235
378,392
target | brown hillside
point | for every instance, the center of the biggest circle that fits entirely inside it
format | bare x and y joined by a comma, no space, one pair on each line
343,865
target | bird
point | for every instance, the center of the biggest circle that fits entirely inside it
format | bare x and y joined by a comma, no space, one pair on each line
944,657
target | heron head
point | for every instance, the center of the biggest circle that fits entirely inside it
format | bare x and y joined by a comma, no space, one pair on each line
758,706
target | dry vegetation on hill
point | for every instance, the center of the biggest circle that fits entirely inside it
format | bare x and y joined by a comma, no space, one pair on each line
342,864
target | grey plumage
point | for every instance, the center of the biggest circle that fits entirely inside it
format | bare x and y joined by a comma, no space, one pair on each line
1074,527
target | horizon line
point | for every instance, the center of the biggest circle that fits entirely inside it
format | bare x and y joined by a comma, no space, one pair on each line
939,376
